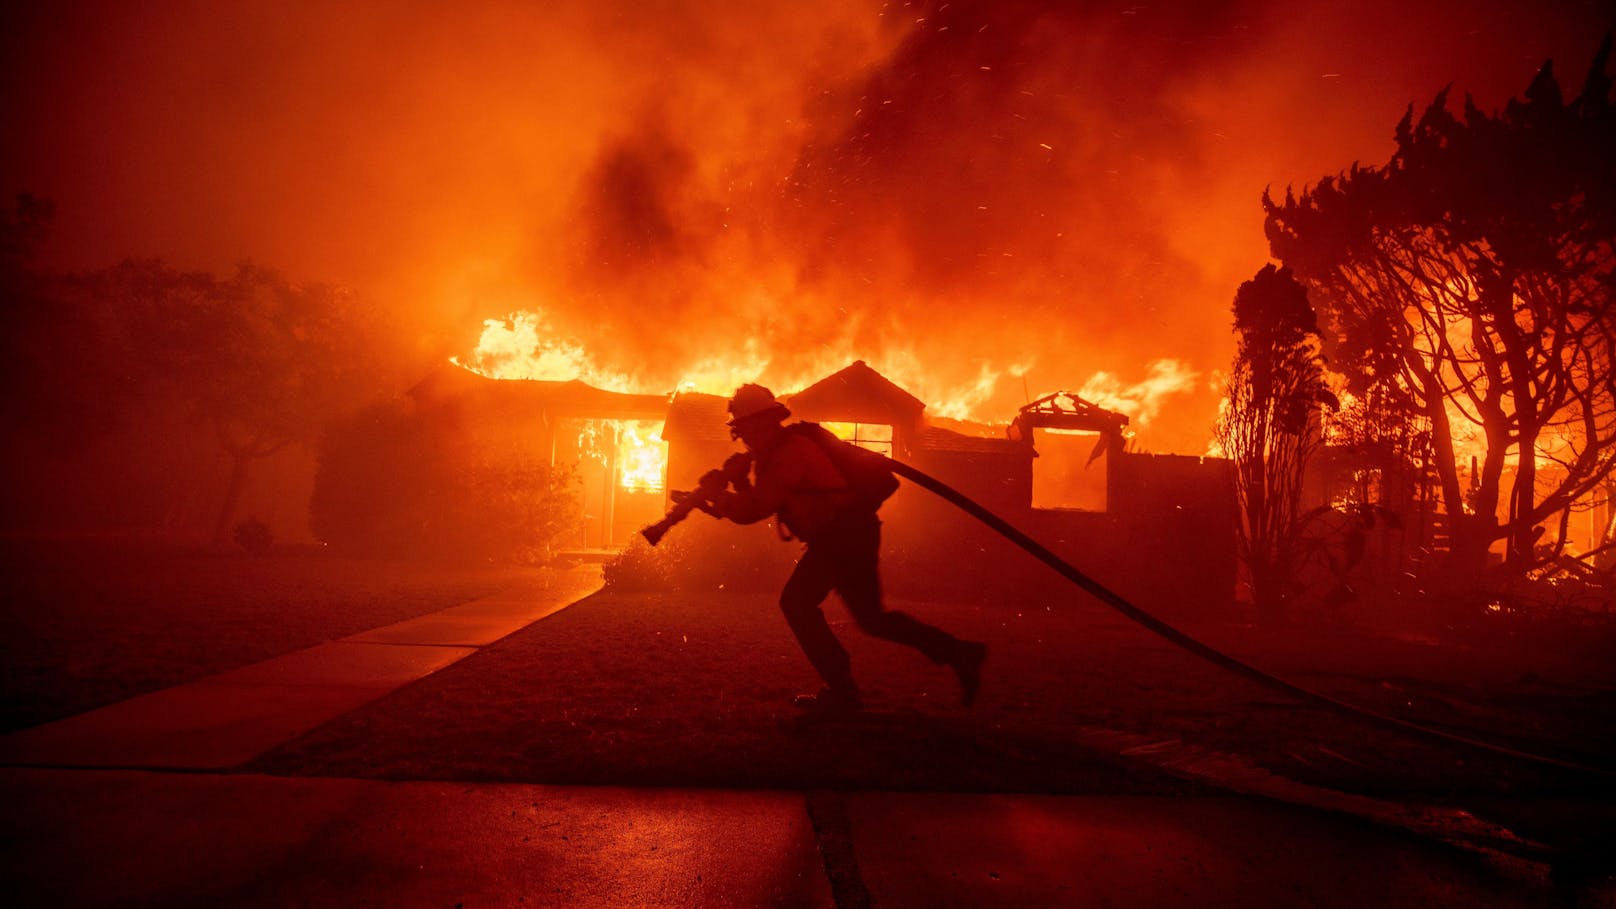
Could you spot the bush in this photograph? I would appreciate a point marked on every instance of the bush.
(254, 536)
(641, 566)
(502, 510)
(392, 483)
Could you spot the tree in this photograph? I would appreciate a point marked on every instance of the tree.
(1269, 427)
(139, 360)
(70, 375)
(263, 362)
(23, 228)
(117, 381)
(1472, 278)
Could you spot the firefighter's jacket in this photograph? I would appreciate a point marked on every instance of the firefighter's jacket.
(795, 480)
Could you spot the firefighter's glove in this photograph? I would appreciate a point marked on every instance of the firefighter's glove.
(697, 499)
(737, 467)
(713, 483)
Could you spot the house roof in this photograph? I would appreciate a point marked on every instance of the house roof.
(856, 393)
(936, 438)
(575, 399)
(1065, 410)
(572, 398)
(696, 417)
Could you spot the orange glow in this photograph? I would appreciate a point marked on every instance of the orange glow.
(523, 345)
(876, 437)
(1143, 400)
(642, 456)
(1454, 299)
(982, 201)
(633, 448)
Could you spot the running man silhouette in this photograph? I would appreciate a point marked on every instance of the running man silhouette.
(792, 476)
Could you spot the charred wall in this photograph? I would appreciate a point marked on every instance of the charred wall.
(1166, 541)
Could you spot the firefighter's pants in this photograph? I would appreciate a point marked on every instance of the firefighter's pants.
(845, 558)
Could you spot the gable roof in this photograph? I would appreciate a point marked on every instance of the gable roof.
(937, 438)
(1065, 410)
(856, 393)
(697, 417)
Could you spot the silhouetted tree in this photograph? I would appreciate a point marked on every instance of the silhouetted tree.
(137, 350)
(1473, 275)
(24, 227)
(68, 372)
(262, 361)
(1269, 427)
(1386, 443)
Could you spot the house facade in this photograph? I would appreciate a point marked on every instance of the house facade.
(600, 435)
(1159, 529)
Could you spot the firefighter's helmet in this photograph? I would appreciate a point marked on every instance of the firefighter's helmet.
(752, 401)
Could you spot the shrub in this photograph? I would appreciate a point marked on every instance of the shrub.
(393, 483)
(641, 566)
(254, 536)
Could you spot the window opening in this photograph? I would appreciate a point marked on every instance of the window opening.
(877, 437)
(1070, 471)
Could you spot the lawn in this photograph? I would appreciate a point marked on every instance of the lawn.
(664, 688)
(87, 624)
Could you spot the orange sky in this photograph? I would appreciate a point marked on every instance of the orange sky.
(959, 193)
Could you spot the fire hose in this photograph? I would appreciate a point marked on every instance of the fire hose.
(686, 502)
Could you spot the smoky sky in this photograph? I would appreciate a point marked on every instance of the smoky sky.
(958, 192)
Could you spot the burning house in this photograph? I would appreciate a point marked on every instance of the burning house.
(611, 439)
(1061, 471)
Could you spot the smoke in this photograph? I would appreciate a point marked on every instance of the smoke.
(974, 197)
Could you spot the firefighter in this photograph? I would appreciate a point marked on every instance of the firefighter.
(793, 477)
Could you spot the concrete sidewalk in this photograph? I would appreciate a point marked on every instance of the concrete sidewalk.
(228, 719)
(138, 838)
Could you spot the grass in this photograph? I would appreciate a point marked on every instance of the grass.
(87, 624)
(681, 689)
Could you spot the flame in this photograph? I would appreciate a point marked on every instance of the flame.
(1457, 299)
(813, 180)
(1141, 401)
(642, 456)
(876, 437)
(957, 401)
(523, 345)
